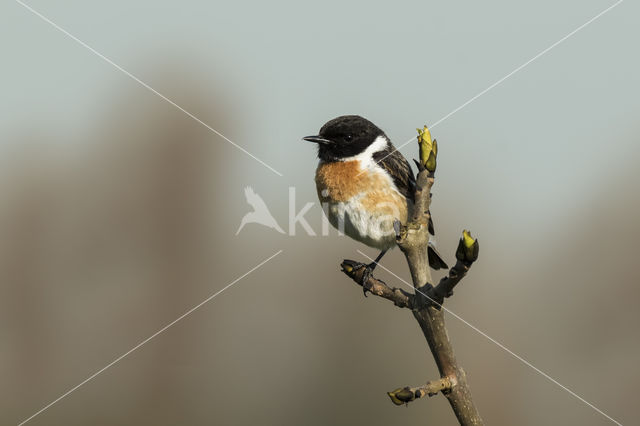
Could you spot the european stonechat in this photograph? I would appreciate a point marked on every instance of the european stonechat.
(366, 184)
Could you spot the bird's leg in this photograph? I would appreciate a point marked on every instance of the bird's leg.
(368, 271)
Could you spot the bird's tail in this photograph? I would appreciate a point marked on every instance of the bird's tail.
(435, 260)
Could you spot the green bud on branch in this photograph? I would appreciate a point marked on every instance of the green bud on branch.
(402, 395)
(428, 149)
(468, 248)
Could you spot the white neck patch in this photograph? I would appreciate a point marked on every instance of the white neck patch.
(366, 157)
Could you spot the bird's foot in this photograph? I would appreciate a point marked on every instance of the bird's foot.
(353, 268)
(352, 265)
(366, 274)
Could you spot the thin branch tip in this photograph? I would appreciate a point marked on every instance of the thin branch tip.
(405, 395)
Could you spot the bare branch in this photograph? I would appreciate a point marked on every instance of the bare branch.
(445, 287)
(407, 394)
(399, 297)
(413, 239)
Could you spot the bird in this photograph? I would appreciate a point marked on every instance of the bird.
(260, 213)
(366, 185)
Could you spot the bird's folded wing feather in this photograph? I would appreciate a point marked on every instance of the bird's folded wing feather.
(399, 168)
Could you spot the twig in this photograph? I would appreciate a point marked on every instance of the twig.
(444, 289)
(407, 394)
(399, 297)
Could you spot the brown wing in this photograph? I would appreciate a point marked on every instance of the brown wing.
(398, 167)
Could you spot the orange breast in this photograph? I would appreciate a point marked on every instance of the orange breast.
(340, 181)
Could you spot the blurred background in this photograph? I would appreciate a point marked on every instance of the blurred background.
(118, 212)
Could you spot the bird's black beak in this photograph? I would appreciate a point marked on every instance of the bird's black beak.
(317, 139)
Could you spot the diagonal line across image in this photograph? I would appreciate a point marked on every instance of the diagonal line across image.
(500, 345)
(454, 111)
(142, 83)
(501, 80)
(136, 347)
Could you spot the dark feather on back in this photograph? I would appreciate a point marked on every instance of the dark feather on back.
(398, 167)
(400, 170)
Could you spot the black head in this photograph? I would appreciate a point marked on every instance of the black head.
(345, 136)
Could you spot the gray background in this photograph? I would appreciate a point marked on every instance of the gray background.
(118, 212)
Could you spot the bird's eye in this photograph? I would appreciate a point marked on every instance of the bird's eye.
(348, 137)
